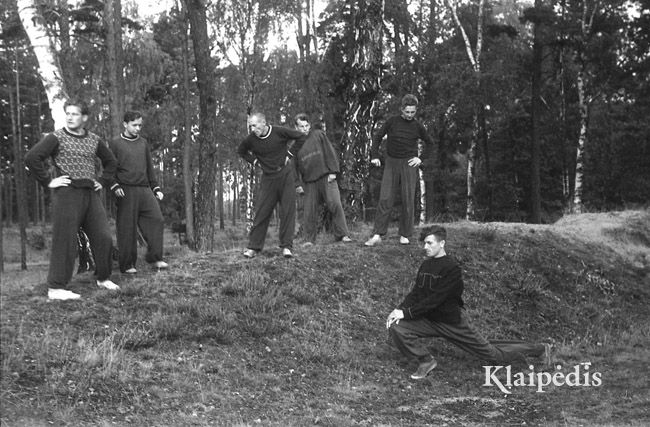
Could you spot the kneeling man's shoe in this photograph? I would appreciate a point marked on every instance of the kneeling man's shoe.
(424, 369)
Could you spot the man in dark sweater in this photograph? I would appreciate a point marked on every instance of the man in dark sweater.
(318, 165)
(401, 169)
(137, 193)
(268, 147)
(433, 309)
(75, 197)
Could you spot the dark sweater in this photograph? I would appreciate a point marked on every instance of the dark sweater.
(437, 293)
(272, 149)
(317, 157)
(402, 141)
(72, 155)
(134, 164)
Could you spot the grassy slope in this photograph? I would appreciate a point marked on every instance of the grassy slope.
(221, 340)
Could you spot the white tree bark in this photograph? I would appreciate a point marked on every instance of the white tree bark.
(48, 64)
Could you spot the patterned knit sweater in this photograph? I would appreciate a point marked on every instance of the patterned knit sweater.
(72, 155)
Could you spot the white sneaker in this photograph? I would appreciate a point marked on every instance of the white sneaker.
(286, 252)
(403, 240)
(61, 294)
(250, 253)
(131, 270)
(346, 239)
(373, 240)
(160, 265)
(107, 284)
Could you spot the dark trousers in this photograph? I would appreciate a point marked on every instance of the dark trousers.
(138, 209)
(73, 208)
(398, 176)
(405, 335)
(275, 189)
(322, 191)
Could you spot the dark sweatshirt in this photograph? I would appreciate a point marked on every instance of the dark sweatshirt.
(437, 293)
(402, 140)
(72, 155)
(317, 157)
(271, 150)
(134, 164)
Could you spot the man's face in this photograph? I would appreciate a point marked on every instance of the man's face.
(433, 247)
(133, 128)
(74, 120)
(257, 126)
(303, 126)
(408, 112)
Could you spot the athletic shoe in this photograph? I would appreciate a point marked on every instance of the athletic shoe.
(403, 240)
(250, 253)
(424, 369)
(131, 270)
(107, 284)
(286, 252)
(373, 240)
(346, 239)
(61, 294)
(160, 265)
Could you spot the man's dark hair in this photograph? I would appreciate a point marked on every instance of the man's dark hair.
(439, 232)
(409, 100)
(82, 105)
(302, 117)
(129, 116)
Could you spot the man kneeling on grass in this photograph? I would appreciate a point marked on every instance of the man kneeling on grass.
(433, 309)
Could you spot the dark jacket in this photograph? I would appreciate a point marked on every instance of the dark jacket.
(437, 293)
(316, 158)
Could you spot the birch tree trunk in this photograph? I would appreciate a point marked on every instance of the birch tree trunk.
(19, 170)
(536, 84)
(48, 63)
(475, 61)
(114, 59)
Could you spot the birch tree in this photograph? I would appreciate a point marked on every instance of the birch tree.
(49, 68)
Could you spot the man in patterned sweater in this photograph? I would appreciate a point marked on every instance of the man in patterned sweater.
(137, 193)
(268, 147)
(76, 200)
(433, 309)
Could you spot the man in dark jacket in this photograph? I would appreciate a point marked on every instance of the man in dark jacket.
(433, 309)
(268, 147)
(318, 165)
(76, 200)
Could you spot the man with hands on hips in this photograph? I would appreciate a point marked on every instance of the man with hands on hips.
(403, 134)
(75, 198)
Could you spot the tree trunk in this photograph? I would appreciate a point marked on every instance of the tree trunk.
(366, 26)
(49, 68)
(535, 108)
(582, 139)
(188, 170)
(19, 170)
(114, 59)
(2, 223)
(205, 194)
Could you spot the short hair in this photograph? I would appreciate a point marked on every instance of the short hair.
(409, 100)
(130, 115)
(302, 117)
(439, 232)
(75, 102)
(258, 116)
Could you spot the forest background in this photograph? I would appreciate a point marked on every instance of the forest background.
(536, 108)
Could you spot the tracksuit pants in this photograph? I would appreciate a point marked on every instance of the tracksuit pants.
(274, 189)
(138, 208)
(398, 176)
(405, 335)
(322, 191)
(73, 208)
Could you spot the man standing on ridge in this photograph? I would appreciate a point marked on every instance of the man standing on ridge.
(401, 168)
(318, 165)
(433, 309)
(137, 194)
(267, 146)
(76, 200)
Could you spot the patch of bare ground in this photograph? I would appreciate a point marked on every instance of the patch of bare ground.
(221, 340)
